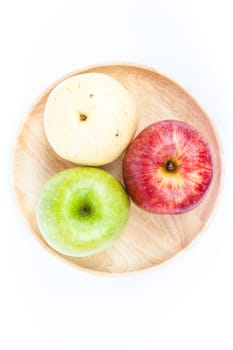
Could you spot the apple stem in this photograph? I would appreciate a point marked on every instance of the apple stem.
(170, 166)
(85, 210)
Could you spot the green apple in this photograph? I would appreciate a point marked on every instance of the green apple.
(81, 211)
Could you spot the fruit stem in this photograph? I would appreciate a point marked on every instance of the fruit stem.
(82, 117)
(85, 210)
(170, 166)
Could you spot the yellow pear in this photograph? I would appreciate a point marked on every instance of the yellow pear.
(90, 119)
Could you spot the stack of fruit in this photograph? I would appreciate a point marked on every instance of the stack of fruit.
(91, 119)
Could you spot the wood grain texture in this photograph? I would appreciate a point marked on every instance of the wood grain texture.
(148, 240)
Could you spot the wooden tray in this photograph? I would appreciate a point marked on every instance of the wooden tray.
(148, 239)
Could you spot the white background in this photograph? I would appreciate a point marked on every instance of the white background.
(46, 304)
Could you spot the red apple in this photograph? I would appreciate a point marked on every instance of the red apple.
(168, 168)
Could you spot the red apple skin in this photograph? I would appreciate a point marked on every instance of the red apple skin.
(151, 185)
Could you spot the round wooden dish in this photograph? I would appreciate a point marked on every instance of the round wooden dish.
(148, 240)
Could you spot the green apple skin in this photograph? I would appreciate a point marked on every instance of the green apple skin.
(82, 211)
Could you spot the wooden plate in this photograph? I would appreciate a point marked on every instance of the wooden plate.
(148, 239)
